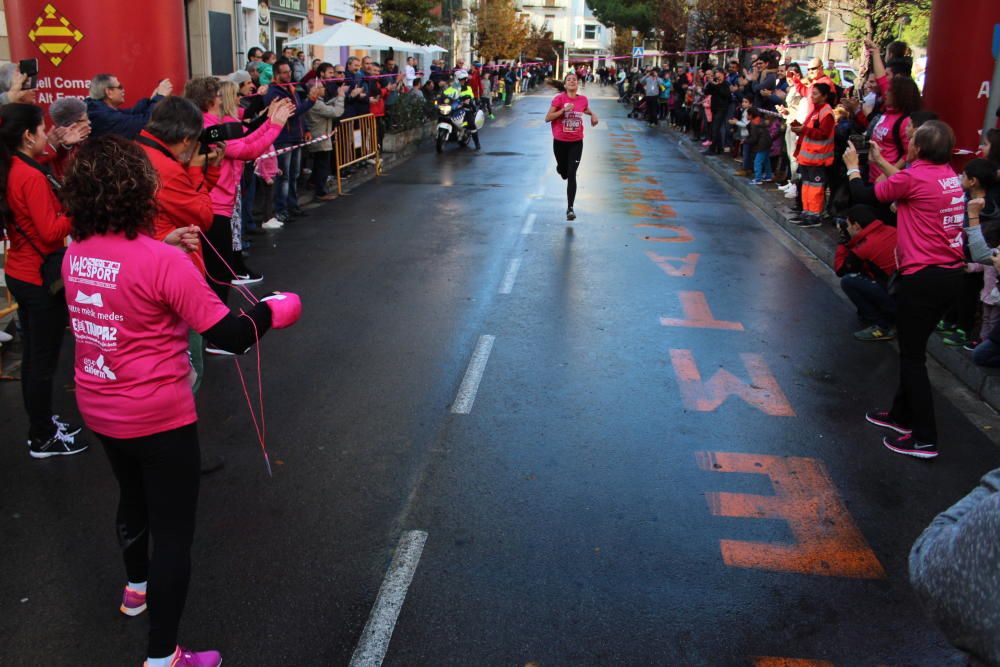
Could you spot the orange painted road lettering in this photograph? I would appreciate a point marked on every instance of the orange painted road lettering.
(697, 315)
(827, 542)
(762, 392)
(768, 661)
(657, 212)
(679, 234)
(687, 266)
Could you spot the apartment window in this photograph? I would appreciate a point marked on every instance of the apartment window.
(591, 31)
(550, 3)
(550, 20)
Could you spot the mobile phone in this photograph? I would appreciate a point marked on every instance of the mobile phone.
(29, 68)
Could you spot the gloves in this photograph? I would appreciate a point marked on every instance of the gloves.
(286, 309)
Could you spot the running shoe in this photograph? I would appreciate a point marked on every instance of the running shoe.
(218, 352)
(875, 332)
(182, 657)
(956, 338)
(297, 212)
(908, 445)
(68, 428)
(946, 327)
(707, 142)
(883, 419)
(754, 181)
(59, 444)
(273, 223)
(133, 602)
(281, 216)
(248, 278)
(807, 221)
(570, 215)
(792, 192)
(971, 345)
(5, 337)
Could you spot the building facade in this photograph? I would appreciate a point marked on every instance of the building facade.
(586, 40)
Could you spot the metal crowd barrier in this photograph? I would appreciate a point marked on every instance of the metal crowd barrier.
(355, 140)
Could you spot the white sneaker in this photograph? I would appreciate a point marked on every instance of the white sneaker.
(785, 186)
(791, 192)
(5, 337)
(273, 223)
(219, 353)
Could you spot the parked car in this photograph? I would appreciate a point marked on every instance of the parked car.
(848, 75)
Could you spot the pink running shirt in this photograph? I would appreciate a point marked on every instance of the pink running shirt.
(131, 305)
(569, 126)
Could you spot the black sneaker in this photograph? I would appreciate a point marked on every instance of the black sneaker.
(297, 212)
(570, 215)
(211, 463)
(60, 444)
(282, 216)
(883, 419)
(807, 222)
(69, 428)
(910, 446)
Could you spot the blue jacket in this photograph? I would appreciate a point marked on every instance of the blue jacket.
(126, 123)
(294, 129)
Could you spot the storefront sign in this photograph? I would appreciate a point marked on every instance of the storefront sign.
(343, 9)
(296, 7)
(72, 41)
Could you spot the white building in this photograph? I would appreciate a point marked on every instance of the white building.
(573, 23)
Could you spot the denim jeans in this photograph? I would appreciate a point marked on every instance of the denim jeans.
(987, 353)
(871, 299)
(286, 191)
(762, 165)
(43, 322)
(747, 156)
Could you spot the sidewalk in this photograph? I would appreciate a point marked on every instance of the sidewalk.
(822, 242)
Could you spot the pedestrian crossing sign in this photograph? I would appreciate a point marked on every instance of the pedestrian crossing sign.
(637, 51)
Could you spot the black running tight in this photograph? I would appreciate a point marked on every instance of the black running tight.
(568, 154)
(158, 476)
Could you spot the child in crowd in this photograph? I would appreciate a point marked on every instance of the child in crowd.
(267, 170)
(760, 145)
(741, 127)
(980, 181)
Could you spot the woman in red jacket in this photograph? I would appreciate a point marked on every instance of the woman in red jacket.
(36, 228)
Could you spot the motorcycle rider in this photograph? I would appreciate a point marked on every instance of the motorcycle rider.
(461, 90)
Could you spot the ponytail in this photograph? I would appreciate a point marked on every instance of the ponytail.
(558, 85)
(15, 120)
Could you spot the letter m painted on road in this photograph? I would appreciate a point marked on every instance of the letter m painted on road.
(762, 391)
(827, 542)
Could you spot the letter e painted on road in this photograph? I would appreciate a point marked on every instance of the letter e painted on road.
(762, 392)
(827, 542)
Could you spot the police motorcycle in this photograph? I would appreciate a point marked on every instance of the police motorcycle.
(458, 117)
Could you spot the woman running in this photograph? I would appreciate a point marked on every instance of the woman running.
(133, 377)
(566, 117)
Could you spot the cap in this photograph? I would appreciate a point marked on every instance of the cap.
(240, 77)
(461, 74)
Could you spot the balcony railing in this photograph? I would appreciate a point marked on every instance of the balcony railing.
(551, 4)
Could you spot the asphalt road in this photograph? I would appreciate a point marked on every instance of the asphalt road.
(570, 504)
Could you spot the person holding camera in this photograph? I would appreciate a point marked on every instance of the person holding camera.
(865, 260)
(225, 256)
(134, 389)
(106, 107)
(930, 212)
(37, 229)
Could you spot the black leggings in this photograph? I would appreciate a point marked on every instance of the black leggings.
(568, 154)
(43, 323)
(158, 476)
(221, 238)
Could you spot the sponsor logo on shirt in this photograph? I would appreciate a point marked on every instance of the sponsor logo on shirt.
(98, 368)
(101, 335)
(94, 271)
(951, 183)
(94, 300)
(957, 200)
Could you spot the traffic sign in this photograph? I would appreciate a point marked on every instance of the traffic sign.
(637, 51)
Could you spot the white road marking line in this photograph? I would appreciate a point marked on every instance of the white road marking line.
(508, 280)
(473, 376)
(529, 224)
(375, 637)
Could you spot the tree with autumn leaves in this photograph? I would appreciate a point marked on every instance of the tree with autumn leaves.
(501, 32)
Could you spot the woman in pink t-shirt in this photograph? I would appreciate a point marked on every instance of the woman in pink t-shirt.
(132, 300)
(566, 116)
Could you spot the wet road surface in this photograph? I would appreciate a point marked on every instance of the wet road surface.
(634, 439)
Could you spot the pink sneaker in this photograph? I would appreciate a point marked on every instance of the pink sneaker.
(133, 602)
(707, 142)
(185, 658)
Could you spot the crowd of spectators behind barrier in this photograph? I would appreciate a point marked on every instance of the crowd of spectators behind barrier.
(917, 248)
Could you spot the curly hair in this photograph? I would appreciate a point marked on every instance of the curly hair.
(202, 91)
(110, 188)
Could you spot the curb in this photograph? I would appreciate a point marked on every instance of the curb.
(983, 382)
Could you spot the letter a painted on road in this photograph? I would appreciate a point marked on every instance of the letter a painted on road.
(827, 543)
(686, 268)
(762, 392)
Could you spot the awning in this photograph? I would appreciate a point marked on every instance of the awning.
(349, 33)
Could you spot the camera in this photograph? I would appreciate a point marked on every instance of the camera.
(29, 68)
(845, 235)
(219, 133)
(860, 142)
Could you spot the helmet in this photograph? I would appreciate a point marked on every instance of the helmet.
(461, 75)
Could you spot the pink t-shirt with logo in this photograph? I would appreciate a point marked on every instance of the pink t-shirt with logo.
(569, 126)
(131, 305)
(930, 208)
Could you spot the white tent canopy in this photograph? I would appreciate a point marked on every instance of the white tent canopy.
(349, 33)
(434, 48)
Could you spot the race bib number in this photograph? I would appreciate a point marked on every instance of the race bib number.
(572, 122)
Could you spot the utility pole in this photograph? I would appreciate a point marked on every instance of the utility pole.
(826, 36)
